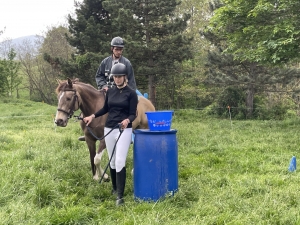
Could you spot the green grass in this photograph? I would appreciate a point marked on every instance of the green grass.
(229, 173)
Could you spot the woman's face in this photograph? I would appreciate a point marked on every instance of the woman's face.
(119, 80)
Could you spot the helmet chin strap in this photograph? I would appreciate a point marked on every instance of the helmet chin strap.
(121, 85)
(116, 56)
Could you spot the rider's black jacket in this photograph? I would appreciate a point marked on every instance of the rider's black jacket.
(120, 104)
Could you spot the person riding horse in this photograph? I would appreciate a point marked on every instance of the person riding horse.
(103, 72)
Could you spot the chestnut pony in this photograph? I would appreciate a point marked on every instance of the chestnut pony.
(74, 95)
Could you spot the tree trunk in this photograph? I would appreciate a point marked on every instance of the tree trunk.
(18, 95)
(151, 82)
(151, 87)
(249, 101)
(250, 92)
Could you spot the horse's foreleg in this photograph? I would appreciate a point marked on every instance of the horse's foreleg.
(99, 170)
(97, 162)
(92, 149)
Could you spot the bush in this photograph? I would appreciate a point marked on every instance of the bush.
(230, 102)
(276, 109)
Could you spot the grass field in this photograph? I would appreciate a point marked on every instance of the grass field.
(229, 173)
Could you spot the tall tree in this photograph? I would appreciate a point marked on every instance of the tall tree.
(90, 33)
(226, 68)
(193, 91)
(5, 48)
(55, 43)
(40, 83)
(3, 55)
(154, 36)
(9, 73)
(3, 87)
(152, 33)
(41, 75)
(259, 31)
(56, 50)
(13, 78)
(250, 77)
(90, 28)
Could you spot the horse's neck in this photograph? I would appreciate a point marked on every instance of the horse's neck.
(91, 101)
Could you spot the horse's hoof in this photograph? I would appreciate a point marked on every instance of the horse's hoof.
(106, 178)
(81, 138)
(95, 177)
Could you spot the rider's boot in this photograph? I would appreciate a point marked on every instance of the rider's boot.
(121, 180)
(113, 176)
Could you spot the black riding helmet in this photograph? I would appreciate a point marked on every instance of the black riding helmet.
(118, 69)
(117, 42)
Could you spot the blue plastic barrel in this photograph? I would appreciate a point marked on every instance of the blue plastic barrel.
(155, 164)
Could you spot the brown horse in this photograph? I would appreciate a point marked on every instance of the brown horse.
(74, 95)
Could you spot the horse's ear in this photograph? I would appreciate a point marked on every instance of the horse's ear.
(58, 81)
(70, 82)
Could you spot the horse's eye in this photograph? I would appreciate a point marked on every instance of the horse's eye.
(68, 99)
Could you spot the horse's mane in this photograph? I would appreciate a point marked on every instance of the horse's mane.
(63, 85)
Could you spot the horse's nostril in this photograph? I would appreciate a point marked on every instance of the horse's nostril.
(59, 121)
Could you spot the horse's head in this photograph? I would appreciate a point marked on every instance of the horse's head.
(68, 102)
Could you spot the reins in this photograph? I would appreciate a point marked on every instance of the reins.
(91, 132)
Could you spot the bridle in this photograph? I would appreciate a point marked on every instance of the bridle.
(72, 109)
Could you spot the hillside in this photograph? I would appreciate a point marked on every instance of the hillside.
(19, 41)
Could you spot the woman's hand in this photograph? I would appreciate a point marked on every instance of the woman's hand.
(125, 123)
(88, 119)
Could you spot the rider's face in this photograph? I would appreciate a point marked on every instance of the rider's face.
(117, 51)
(119, 80)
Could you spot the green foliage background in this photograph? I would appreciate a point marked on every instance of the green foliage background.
(182, 67)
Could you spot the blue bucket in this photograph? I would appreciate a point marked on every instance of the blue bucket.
(159, 120)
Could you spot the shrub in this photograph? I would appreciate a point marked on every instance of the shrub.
(231, 100)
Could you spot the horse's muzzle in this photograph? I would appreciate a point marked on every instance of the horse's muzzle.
(61, 122)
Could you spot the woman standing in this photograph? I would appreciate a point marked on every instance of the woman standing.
(121, 105)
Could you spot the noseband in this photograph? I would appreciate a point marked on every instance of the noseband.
(71, 110)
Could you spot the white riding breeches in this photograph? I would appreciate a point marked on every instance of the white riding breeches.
(118, 160)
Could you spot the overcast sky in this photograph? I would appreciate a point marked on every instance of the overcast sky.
(32, 17)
